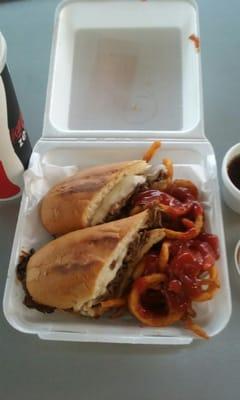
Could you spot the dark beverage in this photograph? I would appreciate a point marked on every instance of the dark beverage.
(234, 171)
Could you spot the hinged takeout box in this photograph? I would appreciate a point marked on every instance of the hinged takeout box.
(124, 73)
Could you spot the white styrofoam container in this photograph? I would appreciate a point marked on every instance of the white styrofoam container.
(121, 74)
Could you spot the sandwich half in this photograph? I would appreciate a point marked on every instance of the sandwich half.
(80, 269)
(92, 196)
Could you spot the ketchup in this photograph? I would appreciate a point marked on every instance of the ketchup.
(212, 240)
(189, 259)
(151, 262)
(154, 301)
(182, 193)
(174, 206)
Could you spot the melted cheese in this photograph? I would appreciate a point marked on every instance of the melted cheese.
(119, 192)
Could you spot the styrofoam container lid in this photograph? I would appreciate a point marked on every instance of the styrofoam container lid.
(125, 66)
(3, 52)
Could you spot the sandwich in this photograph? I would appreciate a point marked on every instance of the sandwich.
(79, 270)
(95, 196)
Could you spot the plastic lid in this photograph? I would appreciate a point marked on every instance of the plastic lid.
(132, 70)
(3, 52)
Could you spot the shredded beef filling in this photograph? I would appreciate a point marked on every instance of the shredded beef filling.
(155, 217)
(119, 210)
(119, 285)
(21, 275)
(123, 208)
(122, 280)
(153, 182)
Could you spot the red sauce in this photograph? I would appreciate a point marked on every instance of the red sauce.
(151, 262)
(188, 261)
(154, 301)
(175, 206)
(175, 286)
(197, 209)
(178, 301)
(140, 284)
(182, 193)
(213, 242)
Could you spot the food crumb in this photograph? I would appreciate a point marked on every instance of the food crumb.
(135, 107)
(196, 41)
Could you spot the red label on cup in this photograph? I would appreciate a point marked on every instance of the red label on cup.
(18, 134)
(7, 188)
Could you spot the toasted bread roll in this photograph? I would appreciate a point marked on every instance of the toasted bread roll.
(86, 198)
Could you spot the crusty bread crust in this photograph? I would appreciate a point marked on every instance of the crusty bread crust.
(77, 267)
(71, 204)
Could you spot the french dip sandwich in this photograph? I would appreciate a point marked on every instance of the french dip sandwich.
(80, 269)
(94, 196)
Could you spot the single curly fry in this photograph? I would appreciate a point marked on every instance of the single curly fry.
(185, 183)
(152, 150)
(167, 162)
(208, 295)
(188, 223)
(214, 275)
(161, 185)
(212, 285)
(113, 303)
(190, 234)
(189, 324)
(164, 256)
(165, 316)
(199, 223)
